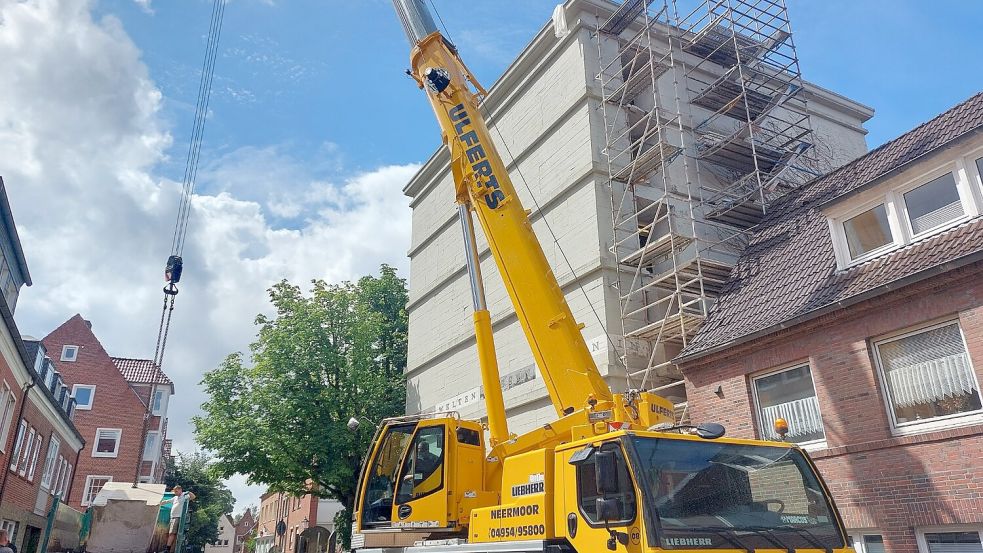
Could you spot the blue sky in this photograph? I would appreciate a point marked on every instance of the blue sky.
(313, 130)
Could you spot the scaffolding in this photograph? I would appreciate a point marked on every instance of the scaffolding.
(704, 127)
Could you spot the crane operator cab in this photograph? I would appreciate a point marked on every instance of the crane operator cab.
(424, 473)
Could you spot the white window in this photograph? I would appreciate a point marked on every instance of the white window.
(160, 404)
(868, 232)
(7, 403)
(93, 485)
(66, 480)
(955, 539)
(933, 204)
(38, 442)
(866, 541)
(69, 353)
(84, 395)
(928, 377)
(51, 463)
(18, 444)
(150, 446)
(26, 450)
(789, 394)
(106, 443)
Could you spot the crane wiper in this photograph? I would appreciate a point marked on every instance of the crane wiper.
(809, 536)
(768, 534)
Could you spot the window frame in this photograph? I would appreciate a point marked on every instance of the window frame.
(52, 463)
(854, 534)
(92, 396)
(95, 443)
(811, 445)
(936, 423)
(149, 454)
(25, 452)
(963, 170)
(7, 409)
(86, 500)
(73, 358)
(922, 541)
(18, 444)
(158, 409)
(33, 465)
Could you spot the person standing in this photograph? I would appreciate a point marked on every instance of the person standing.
(178, 504)
(5, 545)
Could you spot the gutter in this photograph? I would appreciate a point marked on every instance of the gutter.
(847, 302)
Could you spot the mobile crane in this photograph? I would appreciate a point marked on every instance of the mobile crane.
(613, 471)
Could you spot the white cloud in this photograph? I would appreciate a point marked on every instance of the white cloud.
(80, 136)
(145, 5)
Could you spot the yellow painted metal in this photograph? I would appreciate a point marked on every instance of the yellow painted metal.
(526, 508)
(569, 372)
(497, 425)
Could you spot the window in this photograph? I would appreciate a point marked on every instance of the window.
(69, 353)
(84, 395)
(11, 527)
(26, 450)
(38, 440)
(51, 463)
(93, 485)
(933, 204)
(587, 492)
(18, 443)
(57, 474)
(965, 541)
(866, 541)
(423, 469)
(150, 446)
(159, 405)
(789, 394)
(106, 443)
(66, 479)
(7, 403)
(928, 375)
(868, 231)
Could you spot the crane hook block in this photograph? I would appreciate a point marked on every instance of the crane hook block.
(172, 272)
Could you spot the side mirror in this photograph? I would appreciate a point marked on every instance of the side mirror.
(606, 473)
(607, 509)
(710, 430)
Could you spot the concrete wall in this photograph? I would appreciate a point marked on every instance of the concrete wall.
(546, 109)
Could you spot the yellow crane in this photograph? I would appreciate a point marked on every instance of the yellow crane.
(612, 471)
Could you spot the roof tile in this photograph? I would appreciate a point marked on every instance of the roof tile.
(141, 371)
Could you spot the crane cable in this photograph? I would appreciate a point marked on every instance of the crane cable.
(175, 264)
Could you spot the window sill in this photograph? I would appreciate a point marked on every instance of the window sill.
(105, 455)
(900, 441)
(956, 421)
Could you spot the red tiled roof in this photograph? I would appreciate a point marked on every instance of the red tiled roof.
(141, 371)
(788, 270)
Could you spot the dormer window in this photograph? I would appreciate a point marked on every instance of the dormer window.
(900, 212)
(868, 231)
(69, 353)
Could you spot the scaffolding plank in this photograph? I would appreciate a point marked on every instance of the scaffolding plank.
(623, 16)
(656, 248)
(647, 163)
(637, 82)
(712, 273)
(673, 328)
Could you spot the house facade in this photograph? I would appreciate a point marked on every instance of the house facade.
(308, 523)
(226, 541)
(243, 529)
(112, 397)
(39, 444)
(856, 314)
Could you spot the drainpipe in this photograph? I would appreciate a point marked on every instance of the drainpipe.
(20, 419)
(75, 470)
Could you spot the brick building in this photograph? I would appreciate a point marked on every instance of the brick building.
(112, 395)
(856, 313)
(243, 529)
(39, 444)
(308, 521)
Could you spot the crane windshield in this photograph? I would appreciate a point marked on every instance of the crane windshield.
(716, 495)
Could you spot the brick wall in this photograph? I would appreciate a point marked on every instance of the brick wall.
(115, 404)
(892, 483)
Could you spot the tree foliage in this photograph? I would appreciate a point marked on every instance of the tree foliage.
(213, 499)
(281, 418)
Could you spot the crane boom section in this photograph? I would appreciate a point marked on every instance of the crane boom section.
(482, 180)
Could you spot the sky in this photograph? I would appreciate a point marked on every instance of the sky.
(312, 131)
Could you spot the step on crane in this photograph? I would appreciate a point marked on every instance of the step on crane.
(613, 471)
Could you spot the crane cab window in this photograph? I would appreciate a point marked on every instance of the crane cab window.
(423, 472)
(588, 494)
(381, 480)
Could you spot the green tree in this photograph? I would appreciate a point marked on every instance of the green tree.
(212, 498)
(281, 418)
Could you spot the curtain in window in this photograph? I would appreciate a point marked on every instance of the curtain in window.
(802, 416)
(927, 367)
(953, 542)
